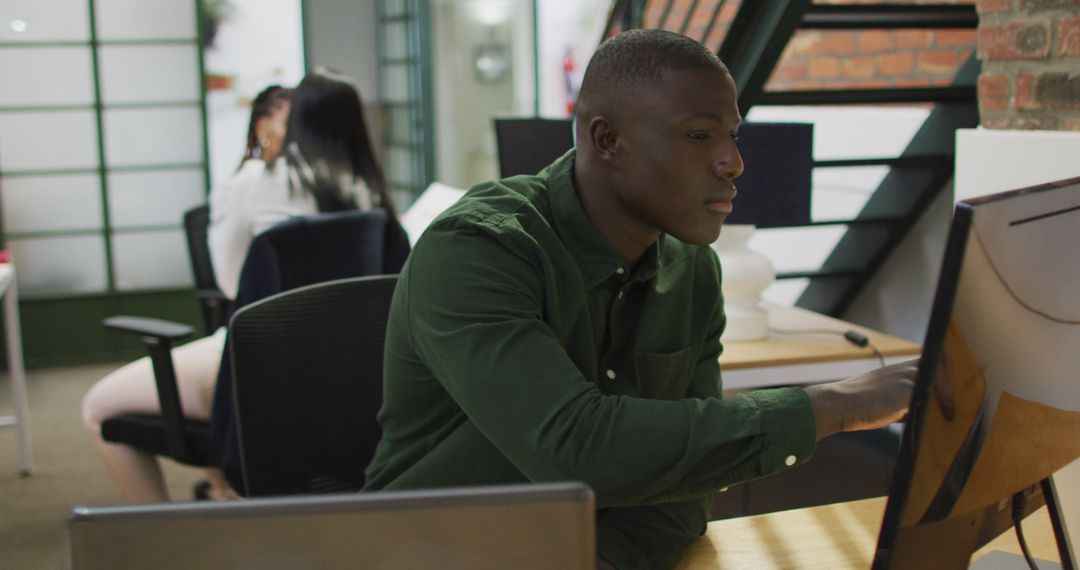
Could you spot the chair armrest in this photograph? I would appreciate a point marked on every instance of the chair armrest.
(158, 336)
(144, 326)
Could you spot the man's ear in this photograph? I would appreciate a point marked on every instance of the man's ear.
(603, 138)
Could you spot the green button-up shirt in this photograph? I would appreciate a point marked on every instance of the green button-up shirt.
(521, 348)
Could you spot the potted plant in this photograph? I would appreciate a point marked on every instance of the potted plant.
(213, 13)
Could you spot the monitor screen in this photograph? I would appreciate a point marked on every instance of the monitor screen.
(996, 407)
(774, 189)
(527, 145)
(520, 526)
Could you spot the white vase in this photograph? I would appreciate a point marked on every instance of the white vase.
(747, 274)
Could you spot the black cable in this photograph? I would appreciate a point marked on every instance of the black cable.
(1017, 515)
(880, 357)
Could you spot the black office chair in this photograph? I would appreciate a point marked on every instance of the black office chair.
(307, 381)
(213, 304)
(300, 258)
(300, 252)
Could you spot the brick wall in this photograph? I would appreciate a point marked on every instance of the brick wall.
(819, 59)
(1030, 51)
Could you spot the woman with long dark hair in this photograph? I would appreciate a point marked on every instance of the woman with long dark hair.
(326, 163)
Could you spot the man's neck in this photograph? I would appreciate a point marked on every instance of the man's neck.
(627, 238)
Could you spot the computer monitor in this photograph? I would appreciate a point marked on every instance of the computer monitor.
(527, 145)
(996, 406)
(774, 189)
(521, 526)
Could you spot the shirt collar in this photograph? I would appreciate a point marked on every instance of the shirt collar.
(594, 257)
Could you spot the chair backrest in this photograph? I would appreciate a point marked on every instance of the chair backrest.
(213, 305)
(307, 380)
(196, 222)
(312, 249)
(295, 253)
(527, 145)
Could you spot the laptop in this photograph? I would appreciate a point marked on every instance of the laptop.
(517, 526)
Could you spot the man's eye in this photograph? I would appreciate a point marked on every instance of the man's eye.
(699, 135)
(735, 137)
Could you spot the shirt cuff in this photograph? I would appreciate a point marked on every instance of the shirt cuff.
(788, 417)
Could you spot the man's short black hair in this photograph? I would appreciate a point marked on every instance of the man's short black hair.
(637, 58)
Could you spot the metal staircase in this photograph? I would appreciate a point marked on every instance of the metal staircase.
(758, 33)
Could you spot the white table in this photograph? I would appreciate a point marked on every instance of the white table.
(805, 357)
(16, 372)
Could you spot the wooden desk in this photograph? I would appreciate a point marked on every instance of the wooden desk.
(785, 359)
(841, 536)
(16, 372)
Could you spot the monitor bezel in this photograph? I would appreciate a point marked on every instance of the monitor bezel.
(933, 348)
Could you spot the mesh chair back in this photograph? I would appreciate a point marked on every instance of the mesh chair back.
(307, 375)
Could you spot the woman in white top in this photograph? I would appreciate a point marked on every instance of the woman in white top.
(328, 165)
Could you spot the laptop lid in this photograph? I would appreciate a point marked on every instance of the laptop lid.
(519, 526)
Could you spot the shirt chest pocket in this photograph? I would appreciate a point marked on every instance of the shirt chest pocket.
(665, 376)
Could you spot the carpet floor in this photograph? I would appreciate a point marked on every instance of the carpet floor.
(67, 472)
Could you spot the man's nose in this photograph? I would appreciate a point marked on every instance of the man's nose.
(730, 164)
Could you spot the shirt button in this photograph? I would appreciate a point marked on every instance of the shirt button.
(619, 296)
(620, 271)
(611, 374)
(790, 460)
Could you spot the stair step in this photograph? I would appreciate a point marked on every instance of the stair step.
(889, 16)
(820, 273)
(960, 94)
(867, 221)
(862, 222)
(895, 161)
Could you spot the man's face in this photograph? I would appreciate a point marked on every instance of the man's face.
(677, 155)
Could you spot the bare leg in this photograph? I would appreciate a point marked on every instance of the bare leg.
(131, 389)
(220, 489)
(137, 473)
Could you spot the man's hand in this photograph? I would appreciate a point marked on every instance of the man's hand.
(875, 399)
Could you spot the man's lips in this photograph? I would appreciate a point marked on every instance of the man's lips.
(722, 203)
(719, 205)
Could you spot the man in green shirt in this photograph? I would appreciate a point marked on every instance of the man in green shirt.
(566, 326)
